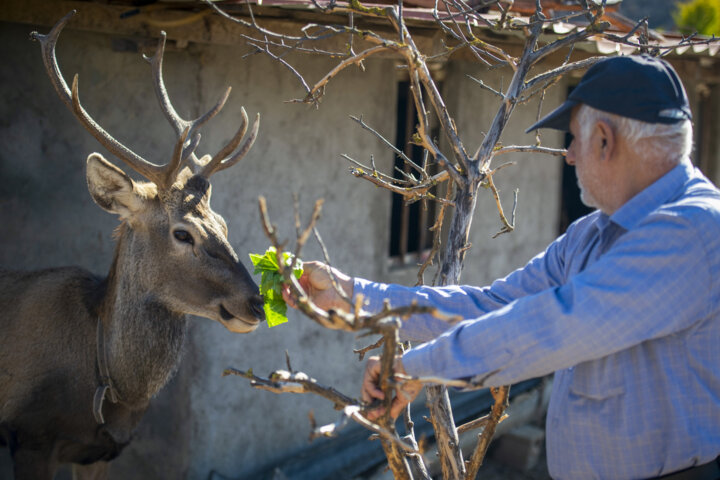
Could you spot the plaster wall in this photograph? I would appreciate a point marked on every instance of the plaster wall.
(202, 422)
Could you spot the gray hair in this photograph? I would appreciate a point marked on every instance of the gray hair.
(653, 141)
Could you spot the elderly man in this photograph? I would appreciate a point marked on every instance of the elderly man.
(624, 307)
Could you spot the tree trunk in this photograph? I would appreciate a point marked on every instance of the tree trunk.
(446, 436)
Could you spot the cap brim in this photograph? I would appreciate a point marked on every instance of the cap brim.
(558, 119)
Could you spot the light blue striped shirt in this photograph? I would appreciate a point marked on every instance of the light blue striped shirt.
(624, 309)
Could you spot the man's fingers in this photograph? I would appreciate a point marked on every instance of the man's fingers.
(404, 395)
(375, 413)
(398, 405)
(370, 390)
(287, 297)
(304, 282)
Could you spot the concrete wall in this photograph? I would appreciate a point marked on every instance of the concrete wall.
(201, 422)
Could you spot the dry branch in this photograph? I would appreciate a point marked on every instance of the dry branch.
(282, 381)
(501, 396)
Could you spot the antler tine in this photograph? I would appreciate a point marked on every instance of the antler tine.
(177, 122)
(190, 148)
(47, 47)
(149, 170)
(235, 141)
(72, 101)
(178, 155)
(218, 163)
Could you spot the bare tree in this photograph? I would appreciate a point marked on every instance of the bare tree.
(461, 177)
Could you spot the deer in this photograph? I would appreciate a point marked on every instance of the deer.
(82, 355)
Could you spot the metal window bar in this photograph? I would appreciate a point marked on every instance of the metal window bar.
(409, 223)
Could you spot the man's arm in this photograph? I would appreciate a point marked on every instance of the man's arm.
(544, 271)
(655, 281)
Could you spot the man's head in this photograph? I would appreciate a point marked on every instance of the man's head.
(631, 122)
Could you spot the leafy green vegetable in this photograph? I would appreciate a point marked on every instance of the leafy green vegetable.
(271, 282)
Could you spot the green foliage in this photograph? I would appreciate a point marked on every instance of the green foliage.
(701, 16)
(271, 283)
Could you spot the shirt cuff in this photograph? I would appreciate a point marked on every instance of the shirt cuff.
(373, 294)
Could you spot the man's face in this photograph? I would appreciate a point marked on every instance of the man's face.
(585, 157)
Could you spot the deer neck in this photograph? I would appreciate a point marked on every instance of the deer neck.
(143, 338)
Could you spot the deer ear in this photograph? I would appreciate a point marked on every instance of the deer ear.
(111, 188)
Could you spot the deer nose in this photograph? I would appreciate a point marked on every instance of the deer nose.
(257, 307)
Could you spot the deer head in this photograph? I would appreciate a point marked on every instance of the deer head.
(171, 243)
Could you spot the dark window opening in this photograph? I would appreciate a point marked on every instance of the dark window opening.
(409, 224)
(706, 139)
(571, 207)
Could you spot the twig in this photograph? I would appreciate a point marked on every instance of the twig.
(303, 235)
(282, 381)
(285, 64)
(507, 226)
(362, 351)
(387, 142)
(410, 189)
(395, 457)
(486, 87)
(501, 395)
(435, 381)
(558, 152)
(478, 423)
(333, 279)
(317, 90)
(560, 71)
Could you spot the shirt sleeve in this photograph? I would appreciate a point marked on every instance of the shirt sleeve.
(654, 281)
(541, 273)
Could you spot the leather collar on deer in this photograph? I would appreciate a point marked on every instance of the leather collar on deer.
(105, 380)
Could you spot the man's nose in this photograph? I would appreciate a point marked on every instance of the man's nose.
(570, 158)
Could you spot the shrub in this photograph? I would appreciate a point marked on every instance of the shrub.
(701, 16)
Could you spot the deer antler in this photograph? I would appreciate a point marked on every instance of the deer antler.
(162, 175)
(223, 159)
(151, 171)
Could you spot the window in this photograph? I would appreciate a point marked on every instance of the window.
(706, 138)
(410, 237)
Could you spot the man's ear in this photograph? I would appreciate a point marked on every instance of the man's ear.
(111, 188)
(606, 139)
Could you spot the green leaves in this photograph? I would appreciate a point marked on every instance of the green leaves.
(271, 282)
(701, 16)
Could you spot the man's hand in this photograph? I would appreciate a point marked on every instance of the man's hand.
(317, 281)
(406, 391)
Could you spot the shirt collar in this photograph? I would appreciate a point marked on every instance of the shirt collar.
(658, 193)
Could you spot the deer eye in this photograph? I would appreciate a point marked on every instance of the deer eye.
(183, 236)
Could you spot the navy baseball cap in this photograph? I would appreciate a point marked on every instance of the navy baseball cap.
(635, 86)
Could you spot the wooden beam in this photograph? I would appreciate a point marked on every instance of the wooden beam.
(198, 25)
